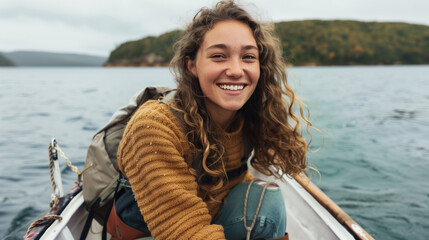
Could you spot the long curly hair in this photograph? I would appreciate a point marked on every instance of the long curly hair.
(270, 123)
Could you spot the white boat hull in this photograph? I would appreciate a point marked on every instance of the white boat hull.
(306, 217)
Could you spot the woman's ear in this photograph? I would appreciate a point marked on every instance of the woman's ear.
(191, 66)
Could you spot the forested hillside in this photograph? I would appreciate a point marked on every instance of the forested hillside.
(352, 42)
(148, 51)
(310, 42)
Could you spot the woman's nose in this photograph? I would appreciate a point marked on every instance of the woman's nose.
(235, 68)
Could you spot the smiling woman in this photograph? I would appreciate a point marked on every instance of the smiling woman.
(186, 159)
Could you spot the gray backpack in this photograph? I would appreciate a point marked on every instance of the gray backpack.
(100, 176)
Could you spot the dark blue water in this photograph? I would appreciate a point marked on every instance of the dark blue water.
(374, 161)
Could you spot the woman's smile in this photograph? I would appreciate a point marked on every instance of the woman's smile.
(231, 87)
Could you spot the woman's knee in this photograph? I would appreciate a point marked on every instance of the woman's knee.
(270, 219)
(271, 205)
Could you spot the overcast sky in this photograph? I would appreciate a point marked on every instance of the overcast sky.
(99, 26)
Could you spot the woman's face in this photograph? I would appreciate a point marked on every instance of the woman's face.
(227, 67)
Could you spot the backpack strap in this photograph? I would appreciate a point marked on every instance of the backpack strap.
(109, 209)
(111, 188)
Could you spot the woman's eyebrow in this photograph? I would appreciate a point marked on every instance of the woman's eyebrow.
(223, 46)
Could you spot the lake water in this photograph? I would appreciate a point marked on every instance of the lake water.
(374, 162)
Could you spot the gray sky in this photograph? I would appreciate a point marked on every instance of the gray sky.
(99, 26)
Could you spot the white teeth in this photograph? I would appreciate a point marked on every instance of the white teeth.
(231, 87)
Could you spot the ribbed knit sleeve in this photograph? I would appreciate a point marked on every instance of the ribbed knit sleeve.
(152, 156)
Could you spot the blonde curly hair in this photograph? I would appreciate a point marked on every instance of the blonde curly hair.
(270, 124)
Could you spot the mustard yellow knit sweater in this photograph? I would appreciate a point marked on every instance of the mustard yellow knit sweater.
(154, 155)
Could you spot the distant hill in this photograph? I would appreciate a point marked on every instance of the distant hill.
(5, 62)
(149, 51)
(50, 59)
(310, 42)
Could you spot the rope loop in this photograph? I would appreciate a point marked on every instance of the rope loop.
(52, 157)
(53, 149)
(42, 221)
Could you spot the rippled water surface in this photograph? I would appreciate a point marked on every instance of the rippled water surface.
(374, 161)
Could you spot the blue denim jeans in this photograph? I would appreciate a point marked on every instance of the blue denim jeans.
(271, 219)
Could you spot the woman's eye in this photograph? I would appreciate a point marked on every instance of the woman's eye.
(217, 56)
(249, 57)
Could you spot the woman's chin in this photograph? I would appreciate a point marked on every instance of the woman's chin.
(233, 107)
